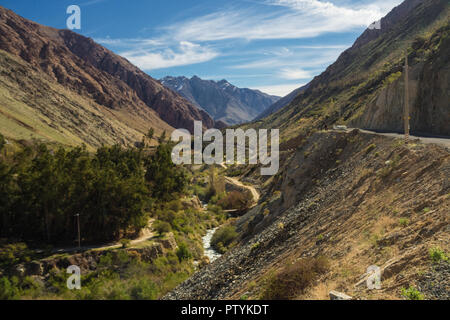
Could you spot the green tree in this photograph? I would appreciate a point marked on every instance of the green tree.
(150, 134)
(163, 175)
(43, 190)
(162, 227)
(162, 138)
(183, 252)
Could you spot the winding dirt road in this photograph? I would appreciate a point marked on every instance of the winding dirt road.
(239, 184)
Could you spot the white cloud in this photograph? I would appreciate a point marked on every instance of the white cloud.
(287, 19)
(186, 53)
(298, 58)
(280, 90)
(190, 41)
(131, 42)
(92, 2)
(294, 74)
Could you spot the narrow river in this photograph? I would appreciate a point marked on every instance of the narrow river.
(212, 254)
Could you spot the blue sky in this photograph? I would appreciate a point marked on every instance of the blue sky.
(271, 45)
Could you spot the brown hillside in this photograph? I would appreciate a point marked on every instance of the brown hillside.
(60, 86)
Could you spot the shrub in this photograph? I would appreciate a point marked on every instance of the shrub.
(125, 243)
(14, 253)
(175, 205)
(183, 252)
(294, 279)
(223, 238)
(162, 227)
(2, 142)
(216, 198)
(144, 289)
(392, 77)
(235, 200)
(9, 288)
(438, 255)
(210, 193)
(256, 245)
(370, 148)
(403, 222)
(412, 294)
(167, 215)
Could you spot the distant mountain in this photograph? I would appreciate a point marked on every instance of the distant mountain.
(365, 87)
(282, 102)
(57, 85)
(222, 100)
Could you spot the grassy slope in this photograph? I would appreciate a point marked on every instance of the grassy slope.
(34, 106)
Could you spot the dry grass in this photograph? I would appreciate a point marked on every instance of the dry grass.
(294, 279)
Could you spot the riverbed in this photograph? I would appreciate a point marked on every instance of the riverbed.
(212, 254)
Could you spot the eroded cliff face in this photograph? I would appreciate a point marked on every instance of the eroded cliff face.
(364, 87)
(432, 107)
(429, 99)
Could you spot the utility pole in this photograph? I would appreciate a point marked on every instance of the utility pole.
(79, 236)
(406, 108)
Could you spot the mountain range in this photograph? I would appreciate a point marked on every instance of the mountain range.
(281, 103)
(222, 100)
(57, 85)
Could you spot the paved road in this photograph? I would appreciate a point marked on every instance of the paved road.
(445, 142)
(442, 141)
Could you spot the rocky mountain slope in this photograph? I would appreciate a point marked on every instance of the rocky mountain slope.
(283, 102)
(365, 87)
(354, 199)
(61, 86)
(221, 100)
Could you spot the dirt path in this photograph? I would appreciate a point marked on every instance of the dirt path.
(239, 184)
(146, 234)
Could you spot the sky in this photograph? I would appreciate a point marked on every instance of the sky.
(275, 46)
